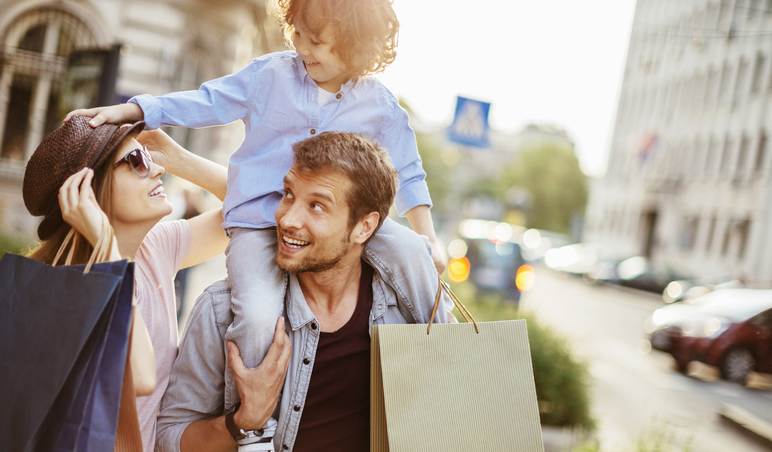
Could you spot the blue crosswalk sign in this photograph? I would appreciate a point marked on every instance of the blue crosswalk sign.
(470, 124)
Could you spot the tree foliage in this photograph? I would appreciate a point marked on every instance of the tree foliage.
(551, 174)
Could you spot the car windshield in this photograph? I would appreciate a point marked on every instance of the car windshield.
(498, 253)
(735, 305)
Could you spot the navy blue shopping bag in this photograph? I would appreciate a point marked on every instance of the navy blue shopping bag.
(63, 348)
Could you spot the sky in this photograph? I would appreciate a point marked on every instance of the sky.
(556, 61)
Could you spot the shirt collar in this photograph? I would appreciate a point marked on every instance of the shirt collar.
(302, 74)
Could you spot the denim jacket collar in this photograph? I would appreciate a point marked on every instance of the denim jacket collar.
(300, 315)
(298, 312)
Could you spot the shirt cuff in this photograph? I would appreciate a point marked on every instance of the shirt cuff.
(151, 109)
(413, 194)
(169, 439)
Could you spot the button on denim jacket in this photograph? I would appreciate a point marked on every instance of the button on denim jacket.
(197, 386)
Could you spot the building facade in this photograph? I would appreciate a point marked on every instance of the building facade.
(162, 46)
(688, 181)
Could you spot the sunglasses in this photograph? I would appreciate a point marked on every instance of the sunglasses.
(138, 160)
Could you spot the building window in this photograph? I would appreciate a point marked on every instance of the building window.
(761, 154)
(689, 233)
(743, 231)
(758, 74)
(726, 240)
(742, 152)
(33, 60)
(710, 238)
(741, 81)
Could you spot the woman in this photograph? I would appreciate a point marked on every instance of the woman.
(82, 178)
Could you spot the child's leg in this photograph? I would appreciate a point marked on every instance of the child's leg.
(258, 287)
(403, 259)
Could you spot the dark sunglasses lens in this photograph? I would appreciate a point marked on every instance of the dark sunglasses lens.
(137, 162)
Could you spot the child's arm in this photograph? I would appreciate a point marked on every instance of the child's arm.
(216, 102)
(413, 200)
(420, 219)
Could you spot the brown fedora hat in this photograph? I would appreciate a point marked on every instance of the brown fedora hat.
(71, 147)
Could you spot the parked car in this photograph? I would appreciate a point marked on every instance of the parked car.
(575, 259)
(684, 289)
(730, 329)
(490, 262)
(604, 270)
(638, 272)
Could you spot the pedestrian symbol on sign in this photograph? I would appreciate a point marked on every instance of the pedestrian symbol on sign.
(470, 124)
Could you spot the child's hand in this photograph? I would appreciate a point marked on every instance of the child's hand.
(114, 114)
(438, 254)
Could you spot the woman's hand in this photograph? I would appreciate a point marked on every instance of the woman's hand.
(79, 205)
(164, 150)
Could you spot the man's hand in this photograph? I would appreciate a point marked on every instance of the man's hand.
(114, 114)
(260, 388)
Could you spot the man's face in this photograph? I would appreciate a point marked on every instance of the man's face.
(312, 221)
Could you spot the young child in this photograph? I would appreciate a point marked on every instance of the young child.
(283, 98)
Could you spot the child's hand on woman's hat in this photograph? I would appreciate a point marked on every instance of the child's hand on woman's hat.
(114, 114)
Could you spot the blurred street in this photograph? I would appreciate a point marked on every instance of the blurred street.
(635, 392)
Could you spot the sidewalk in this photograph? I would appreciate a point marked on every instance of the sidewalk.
(757, 424)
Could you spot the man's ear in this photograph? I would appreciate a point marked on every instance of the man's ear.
(365, 228)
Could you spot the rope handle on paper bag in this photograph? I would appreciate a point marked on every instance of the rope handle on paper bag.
(101, 248)
(461, 308)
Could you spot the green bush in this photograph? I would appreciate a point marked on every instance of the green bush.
(562, 382)
(10, 244)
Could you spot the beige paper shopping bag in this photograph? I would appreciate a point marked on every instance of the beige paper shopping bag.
(455, 387)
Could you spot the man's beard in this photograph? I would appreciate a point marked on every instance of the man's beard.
(313, 264)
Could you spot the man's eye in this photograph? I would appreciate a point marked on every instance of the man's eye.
(317, 207)
(316, 43)
(288, 195)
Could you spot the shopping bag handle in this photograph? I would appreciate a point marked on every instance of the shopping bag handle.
(101, 249)
(461, 308)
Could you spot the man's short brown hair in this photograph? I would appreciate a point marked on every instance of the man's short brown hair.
(367, 166)
(365, 30)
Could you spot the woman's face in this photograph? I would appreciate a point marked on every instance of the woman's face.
(136, 199)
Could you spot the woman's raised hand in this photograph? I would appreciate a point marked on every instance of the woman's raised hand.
(79, 205)
(164, 150)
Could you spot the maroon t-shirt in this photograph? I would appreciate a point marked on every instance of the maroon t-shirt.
(336, 416)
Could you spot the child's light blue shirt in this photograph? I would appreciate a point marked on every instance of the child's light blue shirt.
(278, 103)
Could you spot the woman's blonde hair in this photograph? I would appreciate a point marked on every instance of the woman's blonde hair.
(365, 31)
(79, 248)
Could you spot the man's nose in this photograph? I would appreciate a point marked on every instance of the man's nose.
(292, 218)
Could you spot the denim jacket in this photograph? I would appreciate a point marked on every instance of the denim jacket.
(197, 385)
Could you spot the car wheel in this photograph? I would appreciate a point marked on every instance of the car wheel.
(737, 364)
(681, 363)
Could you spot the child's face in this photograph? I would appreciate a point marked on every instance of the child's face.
(323, 66)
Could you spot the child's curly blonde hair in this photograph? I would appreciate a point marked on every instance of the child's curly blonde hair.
(365, 30)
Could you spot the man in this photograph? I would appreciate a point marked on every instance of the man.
(336, 196)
